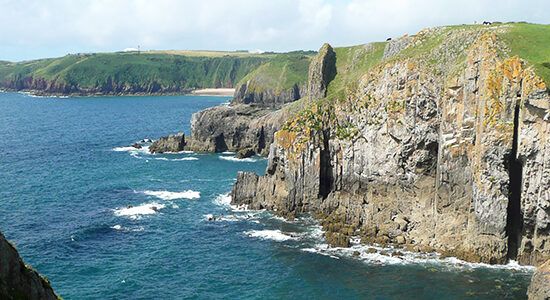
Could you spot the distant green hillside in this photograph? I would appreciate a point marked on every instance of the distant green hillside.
(128, 73)
(280, 73)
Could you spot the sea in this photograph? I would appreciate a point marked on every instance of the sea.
(102, 220)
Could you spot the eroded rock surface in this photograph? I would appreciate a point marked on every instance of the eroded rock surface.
(539, 289)
(19, 281)
(170, 143)
(445, 150)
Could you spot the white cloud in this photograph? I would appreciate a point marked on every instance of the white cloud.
(35, 28)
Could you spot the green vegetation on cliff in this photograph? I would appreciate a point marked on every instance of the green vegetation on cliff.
(114, 73)
(532, 43)
(280, 73)
(352, 63)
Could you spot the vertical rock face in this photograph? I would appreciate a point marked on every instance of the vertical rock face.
(539, 289)
(17, 280)
(261, 105)
(321, 71)
(246, 94)
(224, 128)
(450, 157)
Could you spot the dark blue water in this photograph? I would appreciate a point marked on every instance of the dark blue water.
(65, 197)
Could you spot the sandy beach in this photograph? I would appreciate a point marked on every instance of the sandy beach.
(214, 92)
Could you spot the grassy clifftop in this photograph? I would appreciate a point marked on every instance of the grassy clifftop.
(280, 73)
(440, 52)
(115, 73)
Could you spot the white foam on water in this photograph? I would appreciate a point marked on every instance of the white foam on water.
(136, 212)
(376, 255)
(185, 158)
(176, 159)
(267, 234)
(134, 152)
(121, 228)
(227, 153)
(223, 200)
(166, 195)
(233, 158)
(124, 149)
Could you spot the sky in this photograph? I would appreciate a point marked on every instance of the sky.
(32, 29)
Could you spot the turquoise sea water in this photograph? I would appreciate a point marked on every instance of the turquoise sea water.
(103, 222)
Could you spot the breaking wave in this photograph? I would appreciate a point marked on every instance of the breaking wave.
(135, 212)
(233, 158)
(166, 195)
(274, 235)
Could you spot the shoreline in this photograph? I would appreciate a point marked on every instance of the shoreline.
(220, 92)
(213, 92)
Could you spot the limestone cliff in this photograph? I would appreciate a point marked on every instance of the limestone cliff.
(171, 143)
(17, 280)
(539, 289)
(438, 142)
(321, 72)
(263, 100)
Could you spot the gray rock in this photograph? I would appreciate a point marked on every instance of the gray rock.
(539, 289)
(20, 281)
(245, 153)
(321, 72)
(433, 159)
(171, 143)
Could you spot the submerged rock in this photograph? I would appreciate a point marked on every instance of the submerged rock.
(171, 143)
(245, 153)
(18, 280)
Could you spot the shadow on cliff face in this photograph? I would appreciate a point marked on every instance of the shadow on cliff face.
(325, 170)
(514, 222)
(219, 143)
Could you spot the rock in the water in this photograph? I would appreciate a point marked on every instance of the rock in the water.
(232, 128)
(171, 143)
(245, 153)
(136, 145)
(19, 281)
(539, 289)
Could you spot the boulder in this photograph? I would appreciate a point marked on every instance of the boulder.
(245, 153)
(171, 143)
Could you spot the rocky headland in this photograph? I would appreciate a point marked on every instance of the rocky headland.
(263, 101)
(432, 142)
(18, 280)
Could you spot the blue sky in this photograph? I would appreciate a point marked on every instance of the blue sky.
(34, 29)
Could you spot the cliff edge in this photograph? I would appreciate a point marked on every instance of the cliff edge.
(432, 142)
(19, 281)
(263, 100)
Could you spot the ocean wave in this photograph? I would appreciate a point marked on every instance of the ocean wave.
(227, 153)
(376, 255)
(127, 229)
(176, 159)
(268, 234)
(167, 195)
(235, 159)
(143, 150)
(232, 218)
(223, 200)
(135, 212)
